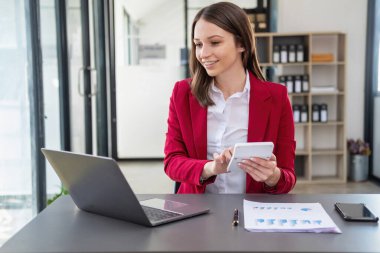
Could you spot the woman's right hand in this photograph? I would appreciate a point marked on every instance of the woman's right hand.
(218, 165)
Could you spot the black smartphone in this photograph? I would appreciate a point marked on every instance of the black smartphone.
(355, 212)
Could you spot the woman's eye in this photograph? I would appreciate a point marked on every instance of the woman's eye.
(198, 44)
(215, 43)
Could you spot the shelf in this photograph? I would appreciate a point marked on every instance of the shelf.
(320, 180)
(273, 34)
(334, 93)
(327, 63)
(327, 180)
(303, 180)
(321, 152)
(332, 33)
(284, 64)
(303, 124)
(270, 64)
(326, 163)
(317, 124)
(303, 94)
(302, 152)
(329, 123)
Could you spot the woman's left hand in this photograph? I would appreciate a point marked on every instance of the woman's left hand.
(262, 170)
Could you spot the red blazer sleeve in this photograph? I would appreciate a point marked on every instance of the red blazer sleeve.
(285, 148)
(181, 162)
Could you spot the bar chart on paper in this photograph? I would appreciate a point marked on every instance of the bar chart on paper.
(287, 217)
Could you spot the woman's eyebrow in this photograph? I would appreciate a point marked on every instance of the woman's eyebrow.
(210, 37)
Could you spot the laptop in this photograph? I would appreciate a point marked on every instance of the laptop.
(97, 185)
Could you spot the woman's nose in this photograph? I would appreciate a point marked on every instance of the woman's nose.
(204, 51)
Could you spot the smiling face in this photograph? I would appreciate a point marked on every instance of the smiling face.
(216, 49)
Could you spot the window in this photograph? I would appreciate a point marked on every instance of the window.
(51, 88)
(15, 137)
(378, 71)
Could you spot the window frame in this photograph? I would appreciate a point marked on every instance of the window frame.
(371, 72)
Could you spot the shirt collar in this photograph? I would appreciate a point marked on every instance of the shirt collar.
(247, 86)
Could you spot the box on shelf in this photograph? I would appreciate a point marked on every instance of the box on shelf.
(322, 57)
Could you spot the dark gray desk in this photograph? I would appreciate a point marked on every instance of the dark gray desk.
(63, 228)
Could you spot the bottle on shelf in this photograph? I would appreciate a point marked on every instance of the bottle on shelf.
(282, 80)
(315, 113)
(297, 84)
(323, 112)
(284, 54)
(292, 53)
(276, 54)
(300, 53)
(296, 113)
(304, 113)
(289, 84)
(305, 83)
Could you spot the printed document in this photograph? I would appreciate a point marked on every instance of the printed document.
(287, 217)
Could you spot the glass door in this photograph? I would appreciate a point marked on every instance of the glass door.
(50, 89)
(29, 63)
(376, 113)
(372, 96)
(82, 71)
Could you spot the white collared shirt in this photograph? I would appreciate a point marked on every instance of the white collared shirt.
(227, 124)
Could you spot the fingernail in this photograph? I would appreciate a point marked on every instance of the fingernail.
(253, 159)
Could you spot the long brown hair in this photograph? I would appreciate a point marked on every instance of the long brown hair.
(232, 19)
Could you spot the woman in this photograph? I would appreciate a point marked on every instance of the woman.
(227, 101)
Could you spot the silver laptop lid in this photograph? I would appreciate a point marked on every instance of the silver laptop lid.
(97, 185)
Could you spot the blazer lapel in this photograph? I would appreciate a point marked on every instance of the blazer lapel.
(260, 104)
(199, 126)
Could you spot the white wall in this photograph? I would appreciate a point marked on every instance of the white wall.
(348, 16)
(143, 91)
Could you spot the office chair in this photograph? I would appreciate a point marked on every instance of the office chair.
(176, 187)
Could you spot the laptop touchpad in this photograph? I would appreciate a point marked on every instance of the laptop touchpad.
(163, 204)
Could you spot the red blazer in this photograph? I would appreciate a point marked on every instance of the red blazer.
(270, 119)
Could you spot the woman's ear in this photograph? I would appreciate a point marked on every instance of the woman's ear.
(239, 46)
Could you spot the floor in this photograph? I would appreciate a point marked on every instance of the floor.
(349, 187)
(149, 177)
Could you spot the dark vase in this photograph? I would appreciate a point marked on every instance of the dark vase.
(358, 168)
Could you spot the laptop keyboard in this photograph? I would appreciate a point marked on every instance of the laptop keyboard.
(155, 214)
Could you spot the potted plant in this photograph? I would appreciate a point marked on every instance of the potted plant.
(359, 151)
(63, 191)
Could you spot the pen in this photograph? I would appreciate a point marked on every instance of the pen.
(235, 220)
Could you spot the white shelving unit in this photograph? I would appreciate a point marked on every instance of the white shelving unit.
(321, 147)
